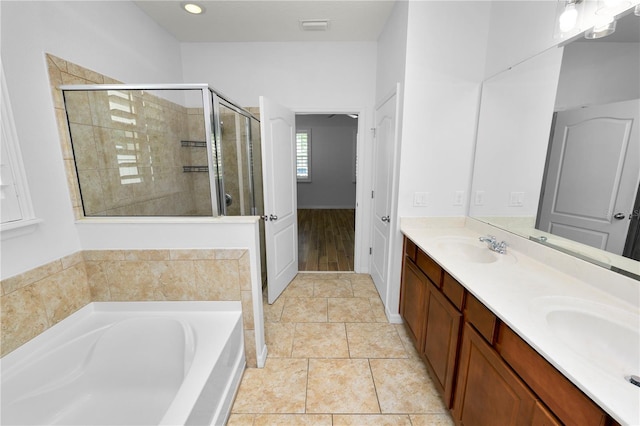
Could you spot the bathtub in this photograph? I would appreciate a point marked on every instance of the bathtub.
(128, 363)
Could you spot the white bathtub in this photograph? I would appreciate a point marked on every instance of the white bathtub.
(128, 363)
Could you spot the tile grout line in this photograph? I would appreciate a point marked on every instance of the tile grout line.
(375, 388)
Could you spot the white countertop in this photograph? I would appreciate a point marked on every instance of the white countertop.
(521, 288)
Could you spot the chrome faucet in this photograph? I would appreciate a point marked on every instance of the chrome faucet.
(494, 245)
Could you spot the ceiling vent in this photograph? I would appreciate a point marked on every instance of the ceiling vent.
(314, 25)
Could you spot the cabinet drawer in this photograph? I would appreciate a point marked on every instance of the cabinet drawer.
(566, 401)
(453, 290)
(481, 318)
(429, 267)
(410, 249)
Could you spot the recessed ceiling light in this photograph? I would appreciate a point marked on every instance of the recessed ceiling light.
(193, 8)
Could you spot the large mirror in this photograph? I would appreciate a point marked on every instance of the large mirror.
(558, 149)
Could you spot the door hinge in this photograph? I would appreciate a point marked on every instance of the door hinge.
(371, 194)
(370, 250)
(373, 131)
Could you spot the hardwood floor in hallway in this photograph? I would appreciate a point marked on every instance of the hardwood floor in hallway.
(326, 239)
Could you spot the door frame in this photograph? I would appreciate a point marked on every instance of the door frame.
(363, 180)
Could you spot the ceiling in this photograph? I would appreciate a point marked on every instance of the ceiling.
(269, 20)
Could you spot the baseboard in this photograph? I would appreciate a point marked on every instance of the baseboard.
(393, 318)
(327, 207)
(261, 358)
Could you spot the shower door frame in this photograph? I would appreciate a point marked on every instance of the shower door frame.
(217, 100)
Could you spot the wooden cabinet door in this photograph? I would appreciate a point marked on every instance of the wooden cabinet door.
(441, 341)
(413, 294)
(488, 393)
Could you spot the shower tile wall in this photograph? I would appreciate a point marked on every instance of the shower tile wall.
(128, 154)
(33, 301)
(197, 156)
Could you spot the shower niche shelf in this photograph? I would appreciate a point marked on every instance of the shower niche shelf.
(193, 144)
(196, 169)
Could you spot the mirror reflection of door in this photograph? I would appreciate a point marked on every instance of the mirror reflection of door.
(593, 175)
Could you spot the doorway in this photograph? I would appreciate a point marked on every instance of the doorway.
(326, 170)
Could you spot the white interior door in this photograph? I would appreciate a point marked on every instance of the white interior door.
(593, 175)
(384, 143)
(278, 129)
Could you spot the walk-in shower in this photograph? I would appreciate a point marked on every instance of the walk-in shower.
(163, 150)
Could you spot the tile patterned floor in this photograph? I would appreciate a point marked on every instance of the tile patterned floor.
(333, 359)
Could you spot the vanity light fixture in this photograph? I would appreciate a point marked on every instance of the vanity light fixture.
(611, 7)
(602, 29)
(314, 25)
(569, 17)
(193, 8)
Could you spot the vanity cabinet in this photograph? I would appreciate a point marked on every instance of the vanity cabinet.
(486, 373)
(488, 392)
(413, 301)
(441, 341)
(431, 317)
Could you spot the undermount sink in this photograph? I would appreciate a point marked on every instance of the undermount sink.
(470, 250)
(606, 336)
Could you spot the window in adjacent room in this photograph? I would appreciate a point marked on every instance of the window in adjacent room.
(303, 155)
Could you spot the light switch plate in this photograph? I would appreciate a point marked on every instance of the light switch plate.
(516, 199)
(420, 199)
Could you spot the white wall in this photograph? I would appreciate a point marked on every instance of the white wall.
(332, 162)
(513, 132)
(329, 77)
(444, 71)
(298, 75)
(519, 29)
(392, 51)
(445, 64)
(113, 38)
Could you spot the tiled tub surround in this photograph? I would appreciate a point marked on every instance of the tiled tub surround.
(127, 149)
(520, 293)
(36, 300)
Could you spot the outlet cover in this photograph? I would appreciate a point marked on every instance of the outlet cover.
(479, 199)
(458, 198)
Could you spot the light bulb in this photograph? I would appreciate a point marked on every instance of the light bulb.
(603, 25)
(568, 19)
(193, 8)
